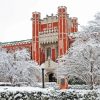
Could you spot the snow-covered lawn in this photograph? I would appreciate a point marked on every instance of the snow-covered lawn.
(43, 90)
(24, 89)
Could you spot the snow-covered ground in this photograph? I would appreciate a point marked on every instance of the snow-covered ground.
(38, 89)
(23, 89)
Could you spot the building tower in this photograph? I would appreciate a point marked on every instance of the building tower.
(62, 30)
(50, 35)
(74, 24)
(35, 36)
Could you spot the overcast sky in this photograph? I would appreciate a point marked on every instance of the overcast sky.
(15, 15)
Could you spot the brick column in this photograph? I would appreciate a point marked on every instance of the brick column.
(62, 30)
(35, 36)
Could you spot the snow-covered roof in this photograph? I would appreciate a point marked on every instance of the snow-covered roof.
(15, 42)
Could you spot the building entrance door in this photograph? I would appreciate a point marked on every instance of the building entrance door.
(52, 78)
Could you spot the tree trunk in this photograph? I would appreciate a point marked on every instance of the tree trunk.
(91, 82)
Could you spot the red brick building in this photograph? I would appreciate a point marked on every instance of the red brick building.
(50, 36)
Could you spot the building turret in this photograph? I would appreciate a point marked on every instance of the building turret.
(62, 30)
(74, 24)
(35, 36)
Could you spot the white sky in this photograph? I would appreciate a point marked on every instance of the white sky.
(15, 15)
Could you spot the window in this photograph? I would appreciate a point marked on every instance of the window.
(48, 52)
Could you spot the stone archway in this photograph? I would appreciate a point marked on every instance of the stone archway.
(50, 67)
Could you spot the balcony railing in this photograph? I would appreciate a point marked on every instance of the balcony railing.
(48, 37)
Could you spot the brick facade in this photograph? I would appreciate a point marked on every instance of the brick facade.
(50, 36)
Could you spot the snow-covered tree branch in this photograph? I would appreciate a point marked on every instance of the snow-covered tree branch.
(94, 25)
(83, 59)
(18, 67)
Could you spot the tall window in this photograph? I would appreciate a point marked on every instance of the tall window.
(56, 51)
(48, 52)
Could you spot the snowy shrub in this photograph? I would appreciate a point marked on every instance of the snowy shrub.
(53, 95)
(75, 80)
(90, 95)
(79, 87)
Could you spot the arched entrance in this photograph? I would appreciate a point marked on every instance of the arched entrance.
(52, 78)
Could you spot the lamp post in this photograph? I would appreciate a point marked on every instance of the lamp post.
(43, 78)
